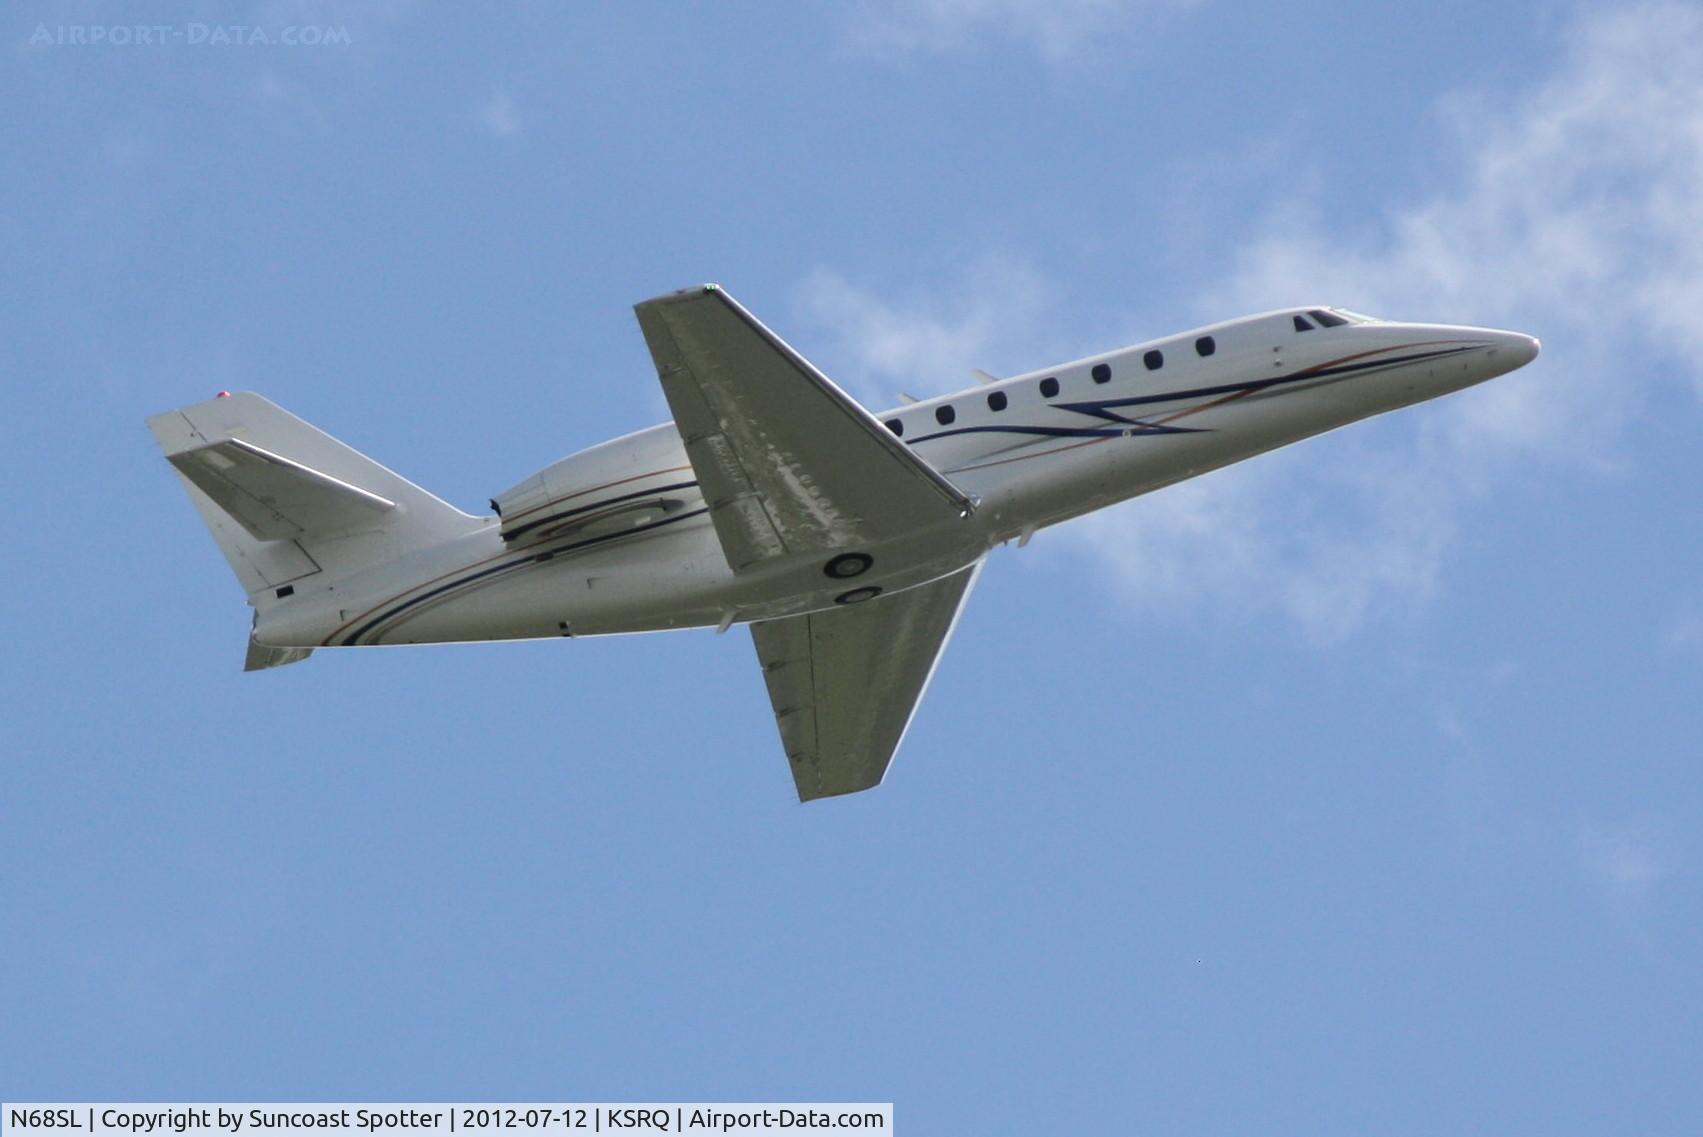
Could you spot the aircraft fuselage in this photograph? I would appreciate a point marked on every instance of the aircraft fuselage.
(618, 538)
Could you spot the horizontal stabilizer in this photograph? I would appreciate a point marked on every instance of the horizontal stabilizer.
(285, 500)
(276, 499)
(260, 656)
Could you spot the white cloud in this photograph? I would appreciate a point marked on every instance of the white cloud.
(270, 86)
(499, 115)
(1328, 534)
(926, 344)
(1577, 214)
(1579, 210)
(1057, 30)
(1625, 864)
(1684, 631)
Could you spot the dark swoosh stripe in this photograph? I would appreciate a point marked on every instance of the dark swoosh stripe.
(1101, 408)
(1065, 431)
(567, 513)
(518, 562)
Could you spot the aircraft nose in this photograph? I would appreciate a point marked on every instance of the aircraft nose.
(1511, 350)
(1519, 349)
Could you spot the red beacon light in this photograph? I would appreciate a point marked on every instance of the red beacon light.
(223, 395)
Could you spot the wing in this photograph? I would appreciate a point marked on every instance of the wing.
(845, 683)
(787, 461)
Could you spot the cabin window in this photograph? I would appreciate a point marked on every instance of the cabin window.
(944, 415)
(1049, 387)
(1102, 373)
(1301, 324)
(1153, 360)
(895, 426)
(996, 400)
(1205, 345)
(1328, 319)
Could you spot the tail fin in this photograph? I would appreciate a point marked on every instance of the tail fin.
(286, 501)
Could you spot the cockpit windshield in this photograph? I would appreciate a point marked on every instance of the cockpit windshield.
(1332, 318)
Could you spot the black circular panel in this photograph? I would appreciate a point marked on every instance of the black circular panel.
(847, 565)
(858, 595)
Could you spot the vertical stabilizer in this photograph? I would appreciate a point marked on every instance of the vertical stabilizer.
(287, 503)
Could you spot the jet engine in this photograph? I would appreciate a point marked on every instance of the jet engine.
(624, 484)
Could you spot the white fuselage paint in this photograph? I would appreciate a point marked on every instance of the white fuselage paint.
(616, 538)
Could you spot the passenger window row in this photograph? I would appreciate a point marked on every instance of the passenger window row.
(1153, 360)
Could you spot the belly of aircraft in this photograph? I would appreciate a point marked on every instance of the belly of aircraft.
(654, 582)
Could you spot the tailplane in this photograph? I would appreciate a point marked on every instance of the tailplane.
(287, 502)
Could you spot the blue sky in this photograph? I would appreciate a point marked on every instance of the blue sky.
(1353, 789)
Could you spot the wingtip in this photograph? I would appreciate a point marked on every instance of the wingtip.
(681, 295)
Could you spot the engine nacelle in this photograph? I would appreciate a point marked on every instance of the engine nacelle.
(627, 483)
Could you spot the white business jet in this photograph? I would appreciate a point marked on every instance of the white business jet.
(847, 541)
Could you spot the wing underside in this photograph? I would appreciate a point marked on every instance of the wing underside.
(791, 466)
(788, 462)
(845, 683)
